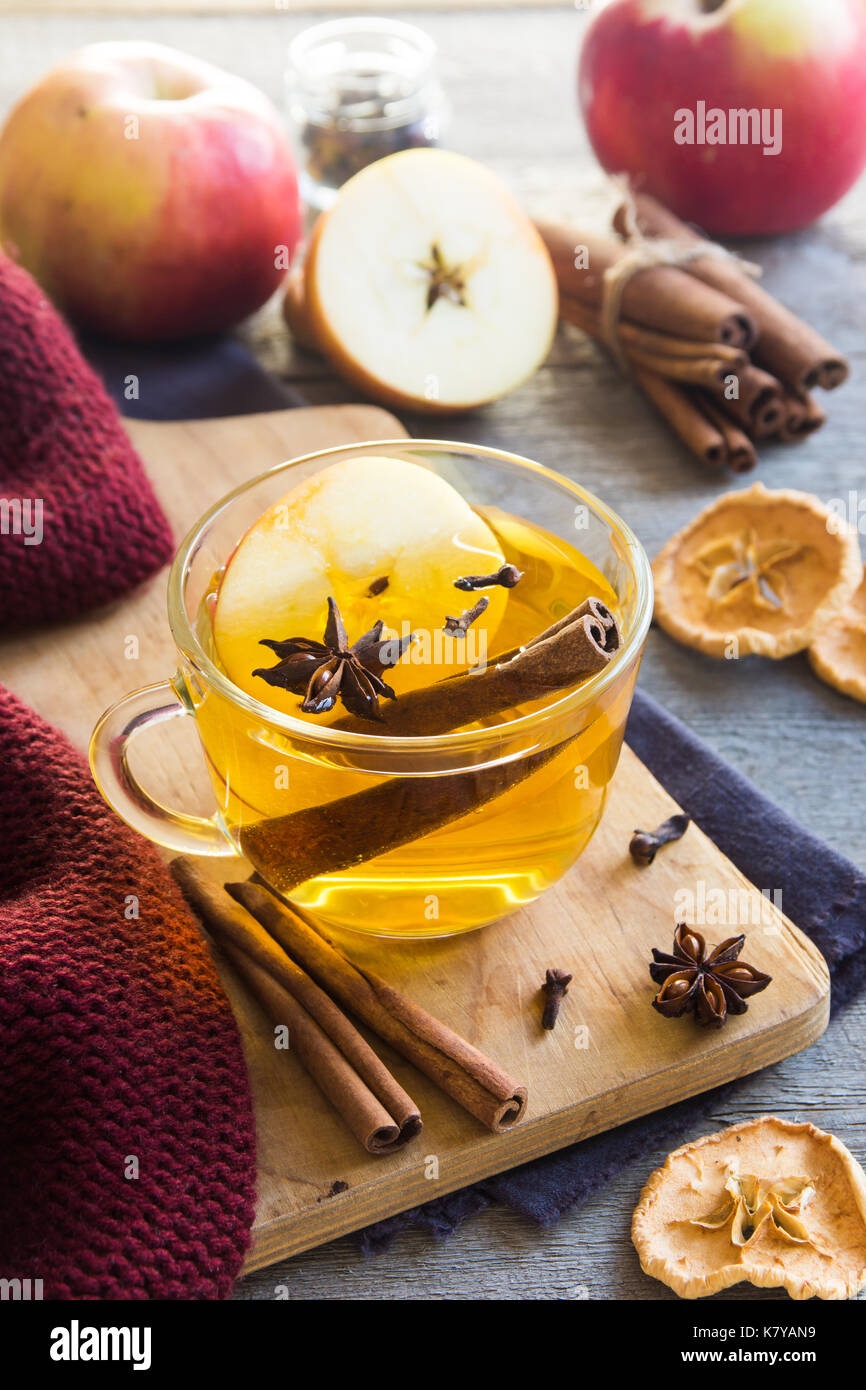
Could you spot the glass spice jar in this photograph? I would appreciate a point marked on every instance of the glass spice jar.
(359, 89)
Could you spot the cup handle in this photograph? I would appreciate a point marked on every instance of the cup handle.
(109, 745)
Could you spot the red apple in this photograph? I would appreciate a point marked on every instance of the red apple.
(152, 195)
(647, 62)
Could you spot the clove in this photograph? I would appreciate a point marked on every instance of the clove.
(458, 627)
(645, 844)
(555, 988)
(506, 575)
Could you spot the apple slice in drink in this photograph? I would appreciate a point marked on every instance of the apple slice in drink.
(384, 537)
(428, 286)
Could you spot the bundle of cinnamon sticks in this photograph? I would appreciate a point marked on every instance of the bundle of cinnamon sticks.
(303, 983)
(722, 361)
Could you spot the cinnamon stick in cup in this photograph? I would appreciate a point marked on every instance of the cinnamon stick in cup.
(786, 346)
(351, 829)
(345, 1068)
(605, 626)
(467, 1075)
(661, 297)
(572, 650)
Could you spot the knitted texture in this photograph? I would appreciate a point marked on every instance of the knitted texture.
(63, 448)
(127, 1141)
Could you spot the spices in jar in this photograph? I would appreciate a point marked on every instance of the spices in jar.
(358, 90)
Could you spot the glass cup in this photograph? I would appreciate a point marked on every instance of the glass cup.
(350, 825)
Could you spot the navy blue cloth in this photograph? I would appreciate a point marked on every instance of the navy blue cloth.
(186, 381)
(822, 891)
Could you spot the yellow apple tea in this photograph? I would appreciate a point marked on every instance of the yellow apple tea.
(490, 827)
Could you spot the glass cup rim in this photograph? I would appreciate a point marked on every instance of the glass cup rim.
(187, 642)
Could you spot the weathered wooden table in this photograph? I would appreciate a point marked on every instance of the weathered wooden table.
(510, 76)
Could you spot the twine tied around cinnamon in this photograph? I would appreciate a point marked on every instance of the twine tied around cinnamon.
(643, 253)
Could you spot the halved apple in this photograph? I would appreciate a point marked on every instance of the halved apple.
(386, 538)
(427, 285)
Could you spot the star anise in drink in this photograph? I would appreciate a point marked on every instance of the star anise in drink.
(710, 986)
(326, 671)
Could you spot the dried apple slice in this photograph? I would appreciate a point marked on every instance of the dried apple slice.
(427, 285)
(758, 570)
(838, 654)
(780, 1204)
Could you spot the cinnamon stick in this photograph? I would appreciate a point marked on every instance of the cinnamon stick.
(648, 340)
(697, 371)
(803, 415)
(608, 631)
(685, 418)
(573, 649)
(701, 364)
(759, 405)
(352, 829)
(661, 297)
(786, 346)
(345, 1068)
(739, 447)
(467, 1075)
(324, 839)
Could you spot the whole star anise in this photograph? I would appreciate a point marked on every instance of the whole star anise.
(330, 670)
(710, 986)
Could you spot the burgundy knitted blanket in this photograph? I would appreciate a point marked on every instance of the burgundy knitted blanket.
(79, 524)
(127, 1162)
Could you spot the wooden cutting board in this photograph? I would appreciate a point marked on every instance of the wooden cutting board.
(611, 1056)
